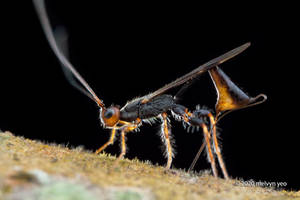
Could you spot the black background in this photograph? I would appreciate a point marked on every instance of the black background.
(125, 51)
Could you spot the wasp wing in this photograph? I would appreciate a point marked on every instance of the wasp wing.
(199, 70)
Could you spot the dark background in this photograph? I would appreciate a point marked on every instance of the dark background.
(125, 51)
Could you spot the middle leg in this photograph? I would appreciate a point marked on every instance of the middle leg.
(166, 139)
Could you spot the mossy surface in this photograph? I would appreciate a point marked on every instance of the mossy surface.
(36, 170)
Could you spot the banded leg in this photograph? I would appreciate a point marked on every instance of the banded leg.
(110, 141)
(166, 137)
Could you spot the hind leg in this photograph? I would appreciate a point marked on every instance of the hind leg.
(201, 113)
(181, 113)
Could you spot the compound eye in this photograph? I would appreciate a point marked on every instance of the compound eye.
(111, 116)
(109, 113)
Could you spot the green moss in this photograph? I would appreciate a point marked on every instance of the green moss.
(36, 169)
(128, 195)
(63, 191)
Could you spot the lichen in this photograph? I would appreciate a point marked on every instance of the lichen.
(38, 169)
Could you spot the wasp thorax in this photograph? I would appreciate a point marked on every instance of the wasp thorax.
(111, 116)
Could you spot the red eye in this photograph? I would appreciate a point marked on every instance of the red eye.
(111, 116)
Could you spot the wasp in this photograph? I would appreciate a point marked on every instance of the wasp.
(160, 105)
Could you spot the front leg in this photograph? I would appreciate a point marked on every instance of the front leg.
(127, 127)
(109, 142)
(123, 149)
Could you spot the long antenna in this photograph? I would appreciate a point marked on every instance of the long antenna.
(42, 14)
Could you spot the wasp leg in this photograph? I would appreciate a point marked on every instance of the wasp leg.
(182, 113)
(123, 148)
(125, 129)
(166, 138)
(127, 125)
(209, 149)
(219, 155)
(110, 141)
(207, 137)
(123, 145)
(200, 113)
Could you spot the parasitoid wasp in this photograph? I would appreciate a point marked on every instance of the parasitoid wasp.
(158, 105)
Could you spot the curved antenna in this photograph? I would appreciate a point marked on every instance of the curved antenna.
(42, 14)
(62, 42)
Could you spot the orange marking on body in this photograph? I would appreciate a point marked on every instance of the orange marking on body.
(187, 114)
(144, 101)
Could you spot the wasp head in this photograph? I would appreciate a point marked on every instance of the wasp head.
(110, 116)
